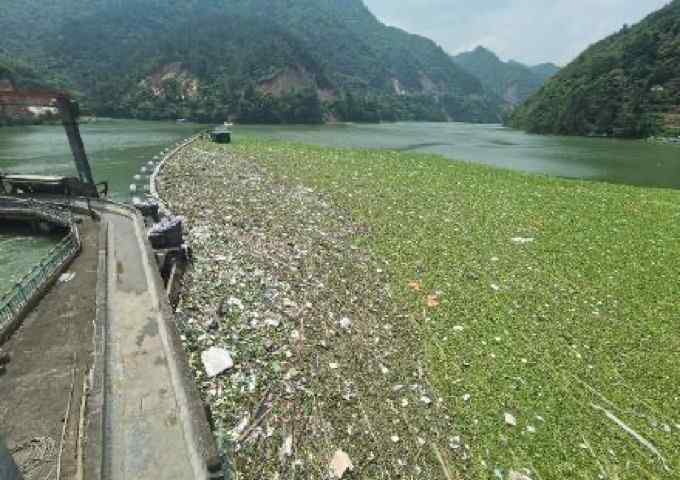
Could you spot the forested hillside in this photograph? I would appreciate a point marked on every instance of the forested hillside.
(254, 60)
(511, 81)
(626, 85)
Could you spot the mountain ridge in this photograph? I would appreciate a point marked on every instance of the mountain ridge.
(512, 81)
(295, 53)
(626, 85)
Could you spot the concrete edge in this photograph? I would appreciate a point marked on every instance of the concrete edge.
(207, 444)
(9, 329)
(205, 457)
(92, 463)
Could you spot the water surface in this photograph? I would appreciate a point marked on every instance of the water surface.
(119, 148)
(116, 148)
(633, 162)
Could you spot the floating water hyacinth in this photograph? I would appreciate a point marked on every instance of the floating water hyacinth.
(321, 222)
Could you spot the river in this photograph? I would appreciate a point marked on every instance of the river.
(118, 148)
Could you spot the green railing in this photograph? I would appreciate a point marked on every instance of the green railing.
(15, 300)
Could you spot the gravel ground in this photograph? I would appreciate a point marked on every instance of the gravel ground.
(329, 371)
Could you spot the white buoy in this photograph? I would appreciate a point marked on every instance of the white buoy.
(137, 178)
(149, 163)
(133, 188)
(143, 170)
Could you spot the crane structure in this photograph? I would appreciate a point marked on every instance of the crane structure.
(68, 111)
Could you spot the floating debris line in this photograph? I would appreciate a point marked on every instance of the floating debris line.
(313, 369)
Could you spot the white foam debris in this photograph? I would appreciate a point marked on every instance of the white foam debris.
(67, 277)
(345, 323)
(235, 302)
(522, 240)
(286, 449)
(513, 475)
(340, 464)
(510, 420)
(216, 360)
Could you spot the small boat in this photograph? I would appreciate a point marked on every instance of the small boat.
(220, 135)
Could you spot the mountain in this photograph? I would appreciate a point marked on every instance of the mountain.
(255, 60)
(511, 81)
(626, 85)
(545, 70)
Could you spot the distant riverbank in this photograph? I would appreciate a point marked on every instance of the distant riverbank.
(370, 289)
(664, 140)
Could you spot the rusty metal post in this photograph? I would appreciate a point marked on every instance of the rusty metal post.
(67, 110)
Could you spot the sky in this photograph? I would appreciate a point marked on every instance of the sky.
(530, 31)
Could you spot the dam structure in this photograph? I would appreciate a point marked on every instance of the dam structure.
(97, 378)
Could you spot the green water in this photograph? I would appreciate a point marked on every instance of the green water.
(119, 148)
(19, 251)
(617, 161)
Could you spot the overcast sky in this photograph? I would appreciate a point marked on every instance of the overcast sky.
(531, 31)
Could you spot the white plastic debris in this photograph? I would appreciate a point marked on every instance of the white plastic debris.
(495, 287)
(345, 323)
(286, 449)
(395, 438)
(518, 476)
(340, 464)
(216, 360)
(272, 322)
(235, 302)
(522, 240)
(458, 328)
(67, 277)
(510, 420)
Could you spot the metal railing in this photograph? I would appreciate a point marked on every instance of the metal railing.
(15, 300)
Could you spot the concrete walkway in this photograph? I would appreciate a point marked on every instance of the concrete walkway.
(143, 421)
(139, 416)
(40, 395)
(154, 427)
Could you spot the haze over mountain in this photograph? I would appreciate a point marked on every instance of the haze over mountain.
(511, 81)
(257, 60)
(625, 85)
